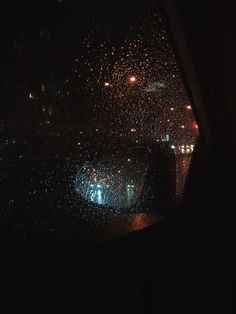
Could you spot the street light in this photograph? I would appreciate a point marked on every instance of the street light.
(132, 79)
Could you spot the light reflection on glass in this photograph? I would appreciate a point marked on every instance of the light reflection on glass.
(101, 183)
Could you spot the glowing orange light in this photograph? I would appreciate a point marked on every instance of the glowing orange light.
(182, 126)
(172, 109)
(107, 84)
(132, 79)
(188, 107)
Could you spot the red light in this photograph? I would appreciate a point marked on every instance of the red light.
(194, 125)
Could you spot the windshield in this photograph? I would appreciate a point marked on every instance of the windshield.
(79, 79)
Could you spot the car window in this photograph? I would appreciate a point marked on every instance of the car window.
(79, 79)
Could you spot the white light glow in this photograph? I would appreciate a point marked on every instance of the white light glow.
(132, 79)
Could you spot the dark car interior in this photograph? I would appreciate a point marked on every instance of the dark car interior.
(185, 262)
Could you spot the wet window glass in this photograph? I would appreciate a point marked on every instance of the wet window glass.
(92, 95)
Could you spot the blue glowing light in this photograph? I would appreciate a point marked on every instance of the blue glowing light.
(111, 181)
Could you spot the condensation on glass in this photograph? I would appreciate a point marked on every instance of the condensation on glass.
(80, 78)
(115, 180)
